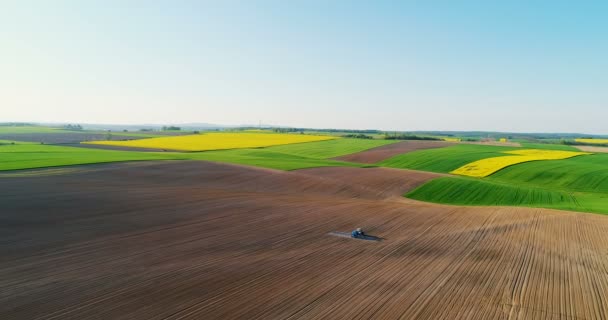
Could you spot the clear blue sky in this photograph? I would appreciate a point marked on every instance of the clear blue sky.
(533, 66)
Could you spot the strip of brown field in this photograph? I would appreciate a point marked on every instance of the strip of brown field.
(196, 240)
(384, 152)
(592, 149)
(382, 182)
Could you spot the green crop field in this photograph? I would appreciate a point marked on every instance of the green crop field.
(467, 191)
(446, 159)
(579, 183)
(265, 158)
(578, 174)
(29, 156)
(29, 129)
(329, 148)
(549, 146)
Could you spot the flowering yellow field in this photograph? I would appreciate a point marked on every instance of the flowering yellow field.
(215, 141)
(486, 167)
(593, 141)
(452, 139)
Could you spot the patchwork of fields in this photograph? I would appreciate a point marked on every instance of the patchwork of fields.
(287, 157)
(198, 240)
(516, 179)
(207, 235)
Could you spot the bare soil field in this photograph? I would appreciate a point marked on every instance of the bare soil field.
(381, 182)
(384, 152)
(592, 149)
(197, 240)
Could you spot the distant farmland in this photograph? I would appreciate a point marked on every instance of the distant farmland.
(142, 233)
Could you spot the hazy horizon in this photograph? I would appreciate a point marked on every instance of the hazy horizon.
(433, 66)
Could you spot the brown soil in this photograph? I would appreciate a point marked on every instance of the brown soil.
(196, 240)
(592, 149)
(381, 182)
(384, 152)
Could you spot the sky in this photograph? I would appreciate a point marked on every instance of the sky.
(518, 66)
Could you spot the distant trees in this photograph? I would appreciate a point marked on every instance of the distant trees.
(171, 128)
(16, 124)
(74, 127)
(284, 130)
(569, 142)
(357, 136)
(408, 137)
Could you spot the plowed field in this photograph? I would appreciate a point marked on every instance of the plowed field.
(197, 240)
(381, 153)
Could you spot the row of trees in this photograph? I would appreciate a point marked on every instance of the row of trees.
(357, 136)
(72, 127)
(408, 137)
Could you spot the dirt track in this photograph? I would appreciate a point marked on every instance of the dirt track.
(384, 152)
(198, 240)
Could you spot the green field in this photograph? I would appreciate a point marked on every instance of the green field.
(266, 158)
(464, 191)
(29, 129)
(549, 146)
(288, 157)
(579, 183)
(28, 156)
(330, 148)
(578, 174)
(444, 160)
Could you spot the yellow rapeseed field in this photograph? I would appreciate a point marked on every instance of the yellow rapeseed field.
(215, 141)
(592, 141)
(486, 167)
(452, 139)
